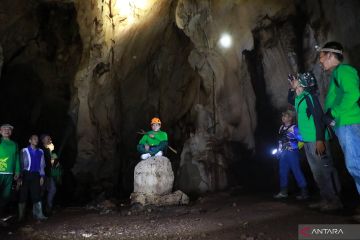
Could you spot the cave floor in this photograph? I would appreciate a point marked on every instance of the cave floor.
(216, 216)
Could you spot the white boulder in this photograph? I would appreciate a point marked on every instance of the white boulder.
(154, 176)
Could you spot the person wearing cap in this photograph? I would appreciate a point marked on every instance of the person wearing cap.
(342, 105)
(9, 164)
(154, 142)
(316, 145)
(33, 176)
(289, 157)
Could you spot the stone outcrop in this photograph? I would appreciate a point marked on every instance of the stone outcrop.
(153, 183)
(228, 113)
(175, 198)
(154, 176)
(202, 167)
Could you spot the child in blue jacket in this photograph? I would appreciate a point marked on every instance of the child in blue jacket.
(289, 157)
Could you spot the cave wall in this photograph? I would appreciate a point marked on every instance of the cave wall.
(41, 49)
(168, 63)
(129, 73)
(39, 56)
(99, 70)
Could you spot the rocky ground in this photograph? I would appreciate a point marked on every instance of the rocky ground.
(225, 215)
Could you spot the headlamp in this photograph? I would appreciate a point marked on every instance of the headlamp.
(319, 49)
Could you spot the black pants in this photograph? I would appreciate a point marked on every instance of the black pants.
(30, 183)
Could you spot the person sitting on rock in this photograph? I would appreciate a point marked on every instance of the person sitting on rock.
(154, 142)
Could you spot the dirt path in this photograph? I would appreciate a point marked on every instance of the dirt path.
(218, 216)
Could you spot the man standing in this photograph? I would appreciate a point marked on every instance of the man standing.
(50, 184)
(342, 106)
(316, 142)
(32, 164)
(9, 165)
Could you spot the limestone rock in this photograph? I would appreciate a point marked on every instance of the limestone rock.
(154, 176)
(202, 166)
(176, 198)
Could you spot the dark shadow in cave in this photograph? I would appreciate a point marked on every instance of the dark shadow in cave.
(262, 163)
(36, 85)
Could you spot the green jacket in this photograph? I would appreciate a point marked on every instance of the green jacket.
(158, 143)
(309, 113)
(9, 157)
(343, 95)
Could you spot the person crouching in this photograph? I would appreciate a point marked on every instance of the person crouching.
(32, 166)
(154, 142)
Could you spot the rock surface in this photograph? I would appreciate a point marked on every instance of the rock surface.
(153, 182)
(154, 176)
(175, 198)
(95, 72)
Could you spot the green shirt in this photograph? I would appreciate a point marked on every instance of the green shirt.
(159, 136)
(343, 98)
(310, 125)
(9, 157)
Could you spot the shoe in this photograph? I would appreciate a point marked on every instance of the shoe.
(159, 154)
(304, 195)
(317, 205)
(37, 212)
(332, 206)
(281, 195)
(145, 156)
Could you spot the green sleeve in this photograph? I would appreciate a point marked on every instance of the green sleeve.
(348, 81)
(162, 137)
(165, 137)
(143, 140)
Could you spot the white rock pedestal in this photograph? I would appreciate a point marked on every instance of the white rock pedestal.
(153, 182)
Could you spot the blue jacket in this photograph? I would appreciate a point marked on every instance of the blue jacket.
(27, 161)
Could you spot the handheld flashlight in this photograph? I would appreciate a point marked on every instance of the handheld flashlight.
(274, 151)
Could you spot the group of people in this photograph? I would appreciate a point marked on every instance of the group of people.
(313, 129)
(32, 167)
(30, 170)
(342, 115)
